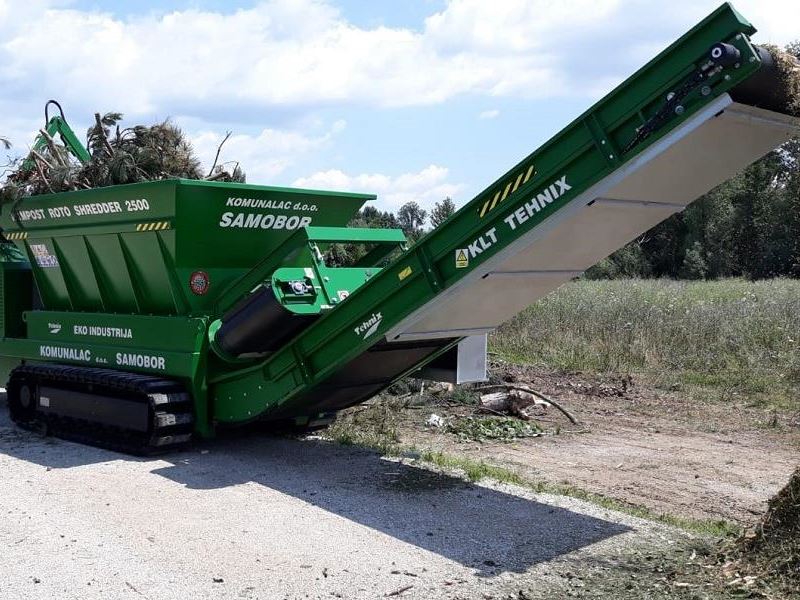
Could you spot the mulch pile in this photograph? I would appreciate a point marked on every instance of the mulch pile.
(789, 70)
(771, 550)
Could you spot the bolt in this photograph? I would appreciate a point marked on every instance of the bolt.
(706, 90)
(679, 110)
(670, 96)
(752, 59)
(611, 156)
(603, 142)
(727, 77)
(738, 36)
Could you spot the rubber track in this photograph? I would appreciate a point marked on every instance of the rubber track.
(170, 408)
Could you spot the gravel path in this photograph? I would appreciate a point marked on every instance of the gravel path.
(279, 518)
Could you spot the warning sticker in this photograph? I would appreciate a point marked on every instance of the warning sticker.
(462, 258)
(404, 273)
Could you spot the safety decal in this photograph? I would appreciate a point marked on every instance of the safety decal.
(160, 226)
(505, 191)
(462, 258)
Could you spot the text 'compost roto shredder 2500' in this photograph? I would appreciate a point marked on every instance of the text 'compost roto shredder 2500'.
(136, 317)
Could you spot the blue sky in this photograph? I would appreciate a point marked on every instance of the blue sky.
(362, 13)
(411, 99)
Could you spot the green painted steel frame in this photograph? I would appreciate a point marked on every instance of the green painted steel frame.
(132, 249)
(288, 251)
(334, 284)
(57, 126)
(589, 149)
(167, 346)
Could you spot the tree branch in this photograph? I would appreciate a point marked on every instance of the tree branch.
(216, 158)
(51, 145)
(527, 390)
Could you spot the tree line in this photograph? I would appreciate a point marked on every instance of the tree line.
(748, 227)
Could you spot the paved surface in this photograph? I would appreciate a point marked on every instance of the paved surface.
(271, 518)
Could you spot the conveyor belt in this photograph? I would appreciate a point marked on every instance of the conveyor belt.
(718, 142)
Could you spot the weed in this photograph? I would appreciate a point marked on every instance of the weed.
(373, 426)
(473, 470)
(501, 429)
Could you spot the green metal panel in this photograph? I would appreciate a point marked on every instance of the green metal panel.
(233, 224)
(133, 248)
(44, 259)
(79, 274)
(112, 275)
(16, 295)
(135, 332)
(145, 263)
(164, 345)
(174, 364)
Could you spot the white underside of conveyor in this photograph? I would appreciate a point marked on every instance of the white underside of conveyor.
(707, 150)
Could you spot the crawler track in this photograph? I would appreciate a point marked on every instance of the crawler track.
(125, 412)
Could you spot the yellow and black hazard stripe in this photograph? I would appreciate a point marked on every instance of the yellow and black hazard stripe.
(504, 192)
(158, 226)
(17, 235)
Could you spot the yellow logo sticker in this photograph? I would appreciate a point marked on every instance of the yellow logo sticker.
(404, 273)
(462, 258)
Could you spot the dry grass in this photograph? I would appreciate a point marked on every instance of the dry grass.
(725, 338)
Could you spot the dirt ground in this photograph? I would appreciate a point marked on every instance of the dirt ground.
(260, 517)
(271, 517)
(649, 447)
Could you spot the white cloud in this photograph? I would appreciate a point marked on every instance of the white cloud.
(426, 187)
(293, 56)
(299, 53)
(263, 156)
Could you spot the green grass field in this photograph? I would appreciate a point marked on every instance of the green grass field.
(726, 338)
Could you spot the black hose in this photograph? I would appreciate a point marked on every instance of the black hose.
(47, 111)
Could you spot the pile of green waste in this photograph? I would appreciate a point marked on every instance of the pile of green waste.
(788, 63)
(117, 156)
(772, 549)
